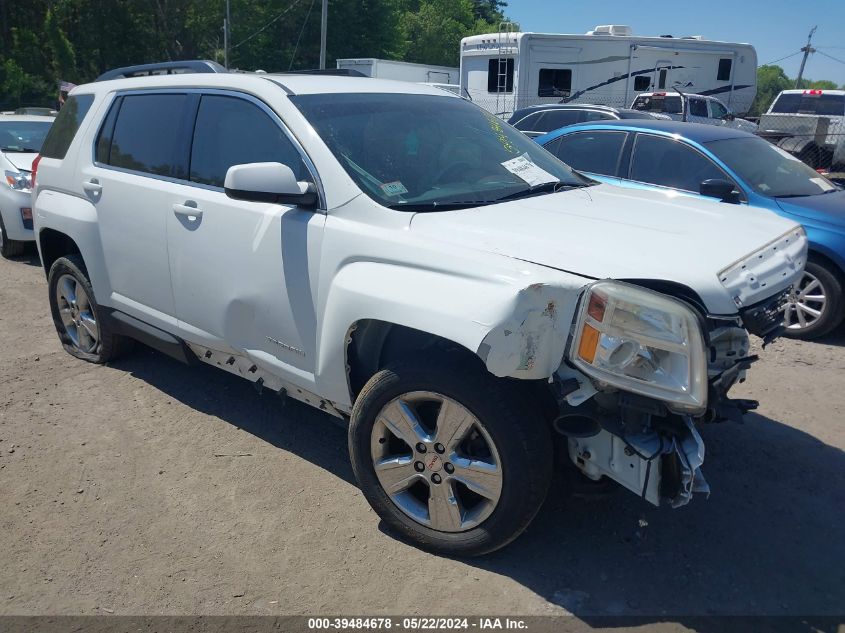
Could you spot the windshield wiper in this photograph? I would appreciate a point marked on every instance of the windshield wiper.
(545, 187)
(19, 150)
(439, 206)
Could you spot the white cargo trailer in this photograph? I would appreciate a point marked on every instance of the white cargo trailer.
(509, 70)
(401, 71)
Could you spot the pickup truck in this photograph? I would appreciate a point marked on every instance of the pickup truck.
(403, 260)
(809, 124)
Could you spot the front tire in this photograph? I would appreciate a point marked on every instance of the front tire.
(449, 456)
(79, 321)
(9, 248)
(815, 306)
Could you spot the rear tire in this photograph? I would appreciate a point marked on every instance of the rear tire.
(469, 491)
(819, 291)
(9, 248)
(811, 155)
(80, 323)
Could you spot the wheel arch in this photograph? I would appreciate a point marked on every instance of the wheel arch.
(53, 244)
(828, 260)
(373, 344)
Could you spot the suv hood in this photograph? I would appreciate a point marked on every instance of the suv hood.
(618, 233)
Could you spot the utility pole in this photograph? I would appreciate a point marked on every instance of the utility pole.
(323, 28)
(227, 25)
(807, 50)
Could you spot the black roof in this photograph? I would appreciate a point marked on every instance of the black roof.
(698, 132)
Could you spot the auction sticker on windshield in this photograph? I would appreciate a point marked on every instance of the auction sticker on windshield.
(523, 167)
(394, 188)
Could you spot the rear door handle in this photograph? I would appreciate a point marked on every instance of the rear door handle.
(192, 213)
(92, 186)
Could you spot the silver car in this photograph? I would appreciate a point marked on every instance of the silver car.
(21, 137)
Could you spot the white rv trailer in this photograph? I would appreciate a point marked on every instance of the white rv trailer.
(508, 70)
(402, 71)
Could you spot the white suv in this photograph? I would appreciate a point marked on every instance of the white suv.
(404, 260)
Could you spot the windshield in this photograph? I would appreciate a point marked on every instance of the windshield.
(424, 150)
(769, 170)
(23, 136)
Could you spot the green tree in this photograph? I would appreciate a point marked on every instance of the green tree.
(821, 84)
(64, 56)
(770, 81)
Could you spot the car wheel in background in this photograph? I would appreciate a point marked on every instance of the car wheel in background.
(815, 305)
(9, 248)
(83, 331)
(449, 456)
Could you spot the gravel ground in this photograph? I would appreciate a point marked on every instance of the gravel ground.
(147, 487)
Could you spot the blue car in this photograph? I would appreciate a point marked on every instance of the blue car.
(735, 167)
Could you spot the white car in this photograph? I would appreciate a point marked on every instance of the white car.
(699, 109)
(21, 137)
(402, 259)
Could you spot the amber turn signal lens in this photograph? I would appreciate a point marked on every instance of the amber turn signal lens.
(589, 343)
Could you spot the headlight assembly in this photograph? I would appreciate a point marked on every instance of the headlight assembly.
(18, 181)
(642, 341)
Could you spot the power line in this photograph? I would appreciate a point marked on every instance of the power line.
(782, 58)
(266, 26)
(301, 31)
(836, 59)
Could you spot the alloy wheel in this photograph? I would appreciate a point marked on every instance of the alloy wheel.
(77, 316)
(436, 461)
(806, 303)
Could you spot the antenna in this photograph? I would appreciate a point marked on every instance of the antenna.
(807, 50)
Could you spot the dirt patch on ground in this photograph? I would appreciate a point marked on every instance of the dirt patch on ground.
(148, 487)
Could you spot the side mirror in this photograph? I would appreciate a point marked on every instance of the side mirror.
(730, 116)
(268, 182)
(719, 188)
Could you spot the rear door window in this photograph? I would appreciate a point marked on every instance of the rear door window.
(670, 163)
(595, 151)
(66, 126)
(148, 135)
(554, 119)
(233, 131)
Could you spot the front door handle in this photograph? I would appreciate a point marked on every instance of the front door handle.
(92, 186)
(192, 213)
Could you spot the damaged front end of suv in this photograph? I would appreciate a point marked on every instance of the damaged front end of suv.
(643, 368)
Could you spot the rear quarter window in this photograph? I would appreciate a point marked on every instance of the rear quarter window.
(66, 126)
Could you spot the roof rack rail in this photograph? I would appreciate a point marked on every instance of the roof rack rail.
(163, 68)
(341, 72)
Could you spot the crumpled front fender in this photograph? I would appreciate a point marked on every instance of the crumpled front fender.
(531, 342)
